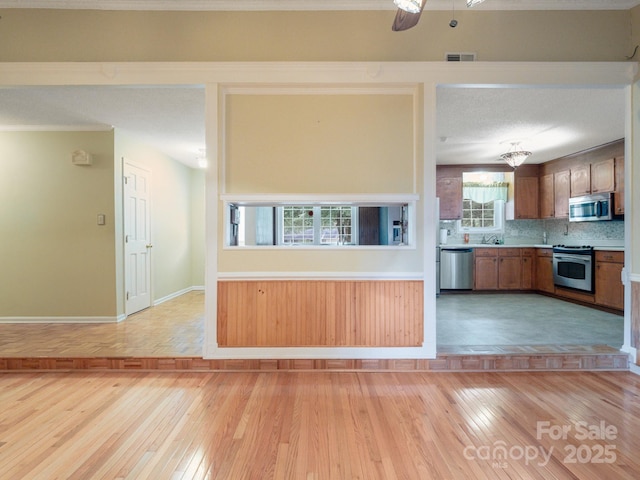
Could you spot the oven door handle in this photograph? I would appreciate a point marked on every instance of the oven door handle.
(573, 258)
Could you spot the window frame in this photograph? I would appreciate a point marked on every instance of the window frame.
(498, 220)
(317, 225)
(407, 201)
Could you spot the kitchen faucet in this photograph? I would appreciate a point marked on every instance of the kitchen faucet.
(492, 239)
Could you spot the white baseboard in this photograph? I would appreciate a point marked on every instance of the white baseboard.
(97, 319)
(173, 295)
(79, 319)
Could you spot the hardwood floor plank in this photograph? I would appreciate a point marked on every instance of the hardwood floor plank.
(275, 425)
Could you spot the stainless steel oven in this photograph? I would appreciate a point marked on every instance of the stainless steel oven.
(573, 267)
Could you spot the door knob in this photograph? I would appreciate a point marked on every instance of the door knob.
(149, 245)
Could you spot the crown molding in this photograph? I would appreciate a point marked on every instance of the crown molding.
(312, 5)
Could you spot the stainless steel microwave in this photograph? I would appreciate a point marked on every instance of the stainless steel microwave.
(591, 208)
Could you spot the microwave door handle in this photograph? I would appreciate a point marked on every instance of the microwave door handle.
(598, 208)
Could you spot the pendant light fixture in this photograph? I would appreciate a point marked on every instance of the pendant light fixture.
(515, 156)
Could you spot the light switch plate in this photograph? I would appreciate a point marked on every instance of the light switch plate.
(101, 219)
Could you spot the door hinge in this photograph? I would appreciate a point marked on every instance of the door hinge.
(127, 295)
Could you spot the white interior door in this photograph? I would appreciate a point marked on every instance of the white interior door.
(137, 238)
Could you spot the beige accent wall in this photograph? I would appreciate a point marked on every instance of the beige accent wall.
(31, 35)
(55, 260)
(172, 205)
(319, 144)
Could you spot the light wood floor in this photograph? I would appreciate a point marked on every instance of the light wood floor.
(172, 329)
(318, 425)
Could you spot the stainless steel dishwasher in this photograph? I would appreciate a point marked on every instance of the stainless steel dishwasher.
(456, 268)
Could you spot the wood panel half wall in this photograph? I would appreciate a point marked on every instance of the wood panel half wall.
(293, 313)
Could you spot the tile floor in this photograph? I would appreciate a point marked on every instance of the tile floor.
(522, 319)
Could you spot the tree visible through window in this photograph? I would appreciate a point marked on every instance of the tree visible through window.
(477, 215)
(297, 225)
(324, 225)
(336, 225)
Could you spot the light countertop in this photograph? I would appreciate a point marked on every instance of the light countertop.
(614, 248)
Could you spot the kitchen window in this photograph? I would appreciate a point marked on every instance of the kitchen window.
(483, 202)
(317, 225)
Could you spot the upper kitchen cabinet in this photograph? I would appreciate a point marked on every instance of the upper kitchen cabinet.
(526, 193)
(561, 192)
(603, 177)
(580, 180)
(547, 196)
(449, 190)
(596, 170)
(595, 177)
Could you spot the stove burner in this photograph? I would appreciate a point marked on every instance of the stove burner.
(579, 249)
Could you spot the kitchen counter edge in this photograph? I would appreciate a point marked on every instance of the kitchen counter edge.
(486, 245)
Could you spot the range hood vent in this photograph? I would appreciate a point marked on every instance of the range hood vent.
(460, 57)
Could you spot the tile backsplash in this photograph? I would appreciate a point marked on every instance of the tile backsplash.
(520, 232)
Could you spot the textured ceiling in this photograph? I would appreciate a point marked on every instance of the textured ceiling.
(474, 125)
(170, 118)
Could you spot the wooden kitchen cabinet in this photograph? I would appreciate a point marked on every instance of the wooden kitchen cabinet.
(603, 178)
(609, 288)
(618, 195)
(547, 197)
(503, 268)
(595, 177)
(561, 192)
(486, 269)
(528, 268)
(544, 270)
(449, 190)
(580, 180)
(526, 197)
(509, 269)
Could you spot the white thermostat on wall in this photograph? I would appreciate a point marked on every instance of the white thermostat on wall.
(80, 157)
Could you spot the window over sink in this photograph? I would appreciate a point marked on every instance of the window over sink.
(485, 196)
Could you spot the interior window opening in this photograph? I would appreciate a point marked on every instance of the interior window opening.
(318, 225)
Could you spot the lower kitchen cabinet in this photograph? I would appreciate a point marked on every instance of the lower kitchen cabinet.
(544, 270)
(503, 268)
(486, 269)
(528, 268)
(609, 288)
(509, 270)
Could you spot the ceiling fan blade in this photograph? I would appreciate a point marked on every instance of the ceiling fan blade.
(405, 20)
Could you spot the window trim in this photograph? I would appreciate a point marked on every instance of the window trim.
(317, 226)
(355, 200)
(498, 217)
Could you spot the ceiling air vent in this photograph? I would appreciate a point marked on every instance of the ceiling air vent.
(460, 57)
